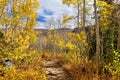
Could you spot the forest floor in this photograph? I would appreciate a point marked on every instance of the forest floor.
(54, 71)
(57, 67)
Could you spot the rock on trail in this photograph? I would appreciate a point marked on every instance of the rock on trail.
(54, 71)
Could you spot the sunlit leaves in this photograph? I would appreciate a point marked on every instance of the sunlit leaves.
(66, 18)
(71, 47)
(18, 17)
(78, 40)
(73, 2)
(105, 11)
(114, 67)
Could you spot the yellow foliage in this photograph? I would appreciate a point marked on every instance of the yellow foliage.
(19, 34)
(70, 46)
(105, 11)
(30, 69)
(20, 22)
(66, 18)
(73, 2)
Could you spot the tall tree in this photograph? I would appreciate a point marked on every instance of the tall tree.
(81, 9)
(84, 10)
(97, 36)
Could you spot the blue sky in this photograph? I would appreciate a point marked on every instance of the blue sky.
(42, 17)
(52, 8)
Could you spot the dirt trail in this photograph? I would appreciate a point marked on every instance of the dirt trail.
(54, 71)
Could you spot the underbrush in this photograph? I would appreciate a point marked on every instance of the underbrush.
(84, 69)
(86, 72)
(29, 68)
(49, 56)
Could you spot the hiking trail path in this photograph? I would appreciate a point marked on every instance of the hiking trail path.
(54, 71)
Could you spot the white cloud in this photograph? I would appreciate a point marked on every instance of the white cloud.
(56, 7)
